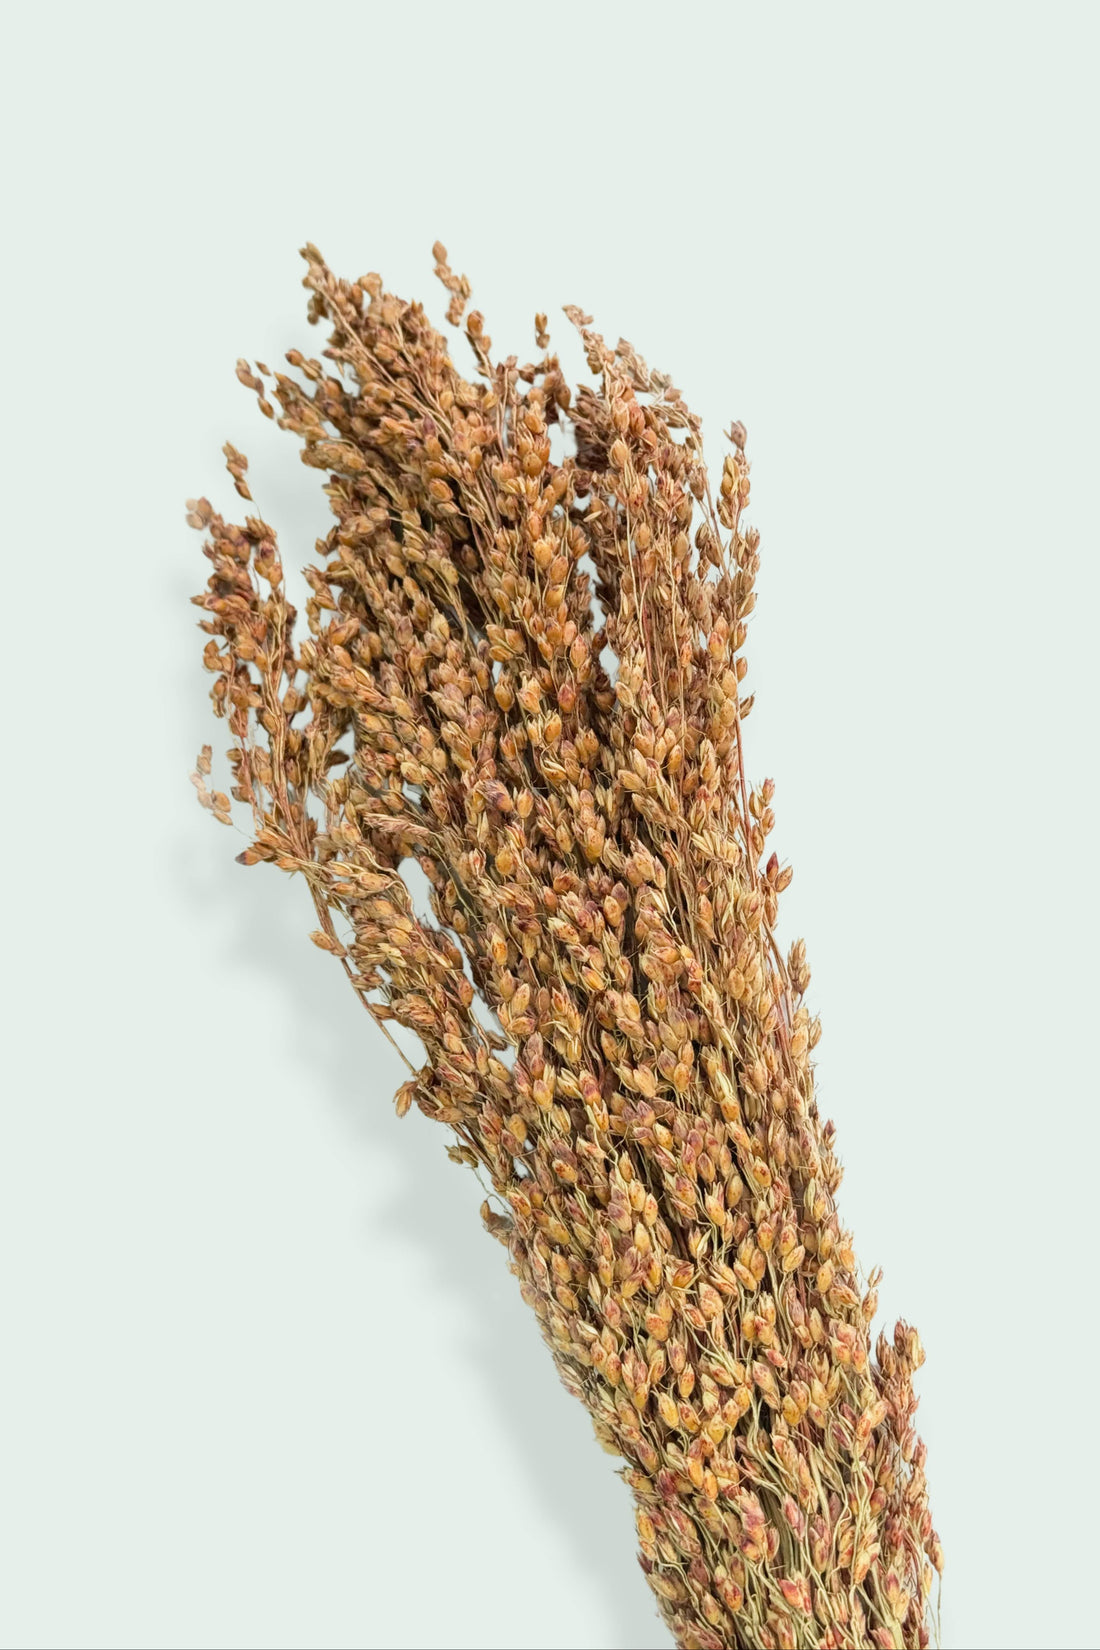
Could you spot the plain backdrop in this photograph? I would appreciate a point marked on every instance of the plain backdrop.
(264, 1379)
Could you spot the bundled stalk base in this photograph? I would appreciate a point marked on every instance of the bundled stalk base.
(526, 676)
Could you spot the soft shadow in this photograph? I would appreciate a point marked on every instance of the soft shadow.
(261, 930)
(260, 927)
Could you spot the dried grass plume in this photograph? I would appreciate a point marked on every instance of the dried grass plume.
(526, 675)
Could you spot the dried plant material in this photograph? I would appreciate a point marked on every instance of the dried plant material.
(527, 677)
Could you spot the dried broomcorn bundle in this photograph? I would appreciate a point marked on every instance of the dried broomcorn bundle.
(526, 676)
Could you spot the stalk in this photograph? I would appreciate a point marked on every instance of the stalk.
(527, 677)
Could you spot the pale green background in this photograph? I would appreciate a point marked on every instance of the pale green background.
(264, 1380)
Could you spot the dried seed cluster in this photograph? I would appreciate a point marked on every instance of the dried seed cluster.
(526, 675)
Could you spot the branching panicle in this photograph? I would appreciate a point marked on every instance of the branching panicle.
(527, 676)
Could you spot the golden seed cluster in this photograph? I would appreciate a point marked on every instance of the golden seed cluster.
(526, 675)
